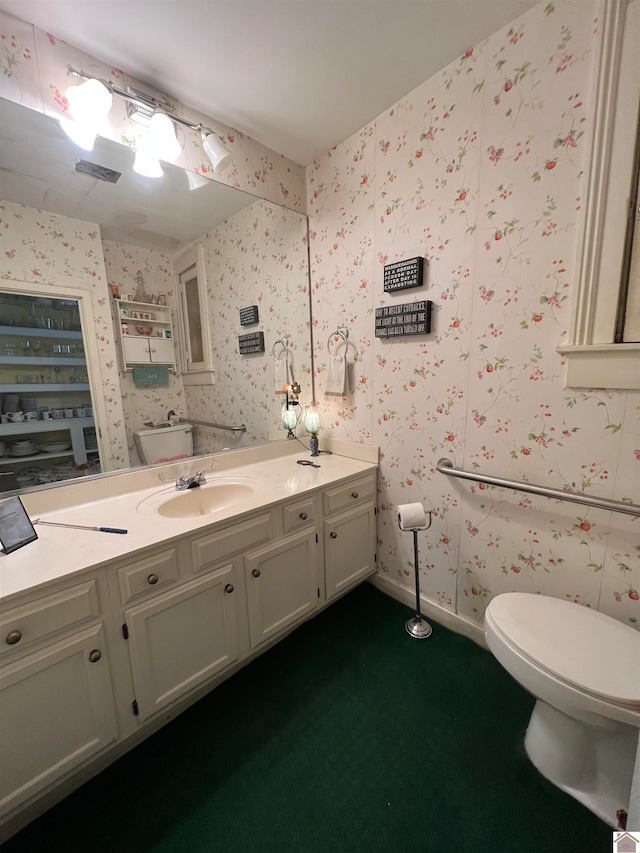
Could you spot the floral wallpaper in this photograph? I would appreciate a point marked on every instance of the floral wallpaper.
(143, 405)
(256, 257)
(480, 171)
(34, 67)
(59, 252)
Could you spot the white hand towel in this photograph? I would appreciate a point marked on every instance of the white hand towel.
(336, 384)
(281, 374)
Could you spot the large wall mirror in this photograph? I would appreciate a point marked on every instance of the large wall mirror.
(73, 234)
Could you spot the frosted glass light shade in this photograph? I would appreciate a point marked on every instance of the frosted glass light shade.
(289, 419)
(218, 154)
(196, 181)
(161, 137)
(311, 420)
(89, 105)
(147, 164)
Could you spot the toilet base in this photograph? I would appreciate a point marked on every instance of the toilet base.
(594, 764)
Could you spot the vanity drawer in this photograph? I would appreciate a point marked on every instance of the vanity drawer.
(298, 514)
(210, 549)
(25, 625)
(148, 575)
(356, 491)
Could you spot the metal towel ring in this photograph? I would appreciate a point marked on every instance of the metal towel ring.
(340, 334)
(284, 347)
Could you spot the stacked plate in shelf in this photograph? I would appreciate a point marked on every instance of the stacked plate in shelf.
(55, 446)
(10, 403)
(28, 404)
(23, 448)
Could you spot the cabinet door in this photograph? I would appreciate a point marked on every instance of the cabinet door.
(349, 548)
(136, 350)
(161, 351)
(182, 638)
(56, 711)
(282, 585)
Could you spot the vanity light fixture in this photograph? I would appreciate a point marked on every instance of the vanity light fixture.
(89, 105)
(311, 421)
(160, 140)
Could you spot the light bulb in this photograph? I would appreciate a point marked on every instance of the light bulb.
(89, 105)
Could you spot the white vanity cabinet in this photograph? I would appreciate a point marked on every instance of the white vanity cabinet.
(57, 707)
(349, 534)
(179, 634)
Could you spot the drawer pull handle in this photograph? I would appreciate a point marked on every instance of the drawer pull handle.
(256, 573)
(152, 579)
(354, 495)
(229, 587)
(333, 534)
(95, 655)
(303, 516)
(13, 637)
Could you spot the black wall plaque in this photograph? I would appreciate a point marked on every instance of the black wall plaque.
(412, 318)
(249, 315)
(403, 274)
(251, 343)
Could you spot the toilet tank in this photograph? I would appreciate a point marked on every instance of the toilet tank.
(163, 444)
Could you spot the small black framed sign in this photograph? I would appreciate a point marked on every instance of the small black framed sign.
(412, 318)
(249, 315)
(404, 274)
(253, 342)
(16, 528)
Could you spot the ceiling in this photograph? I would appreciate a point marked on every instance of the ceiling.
(300, 76)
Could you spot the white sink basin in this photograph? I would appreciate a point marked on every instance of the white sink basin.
(201, 500)
(204, 500)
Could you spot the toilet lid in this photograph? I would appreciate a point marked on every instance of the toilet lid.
(583, 647)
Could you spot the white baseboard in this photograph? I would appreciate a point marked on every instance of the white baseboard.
(430, 609)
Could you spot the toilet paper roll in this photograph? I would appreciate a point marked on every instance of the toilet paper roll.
(411, 516)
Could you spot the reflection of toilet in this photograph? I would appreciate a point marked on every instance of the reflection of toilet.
(583, 668)
(164, 444)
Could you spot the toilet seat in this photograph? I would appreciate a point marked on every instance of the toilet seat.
(581, 647)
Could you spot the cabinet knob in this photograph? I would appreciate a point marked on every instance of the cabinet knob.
(333, 534)
(256, 573)
(95, 655)
(354, 495)
(13, 637)
(303, 516)
(229, 587)
(152, 579)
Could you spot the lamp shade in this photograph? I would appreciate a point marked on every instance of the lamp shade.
(161, 137)
(311, 420)
(289, 419)
(89, 105)
(218, 154)
(147, 164)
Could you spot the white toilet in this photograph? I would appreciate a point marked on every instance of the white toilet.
(583, 667)
(164, 444)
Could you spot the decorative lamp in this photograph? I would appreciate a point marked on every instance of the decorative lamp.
(311, 421)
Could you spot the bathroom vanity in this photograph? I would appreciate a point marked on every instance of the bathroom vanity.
(105, 637)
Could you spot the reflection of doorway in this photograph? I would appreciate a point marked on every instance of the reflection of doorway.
(48, 414)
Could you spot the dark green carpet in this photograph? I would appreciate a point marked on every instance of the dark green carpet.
(347, 736)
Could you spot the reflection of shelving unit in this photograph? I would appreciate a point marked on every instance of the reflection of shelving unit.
(44, 363)
(143, 350)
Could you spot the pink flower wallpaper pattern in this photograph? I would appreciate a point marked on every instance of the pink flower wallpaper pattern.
(480, 171)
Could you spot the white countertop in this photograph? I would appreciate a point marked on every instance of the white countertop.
(60, 553)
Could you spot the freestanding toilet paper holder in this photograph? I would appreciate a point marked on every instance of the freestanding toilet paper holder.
(417, 627)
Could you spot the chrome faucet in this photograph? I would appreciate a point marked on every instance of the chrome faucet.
(184, 483)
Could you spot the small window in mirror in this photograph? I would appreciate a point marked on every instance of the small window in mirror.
(196, 342)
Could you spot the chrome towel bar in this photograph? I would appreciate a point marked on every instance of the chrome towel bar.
(241, 428)
(445, 466)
